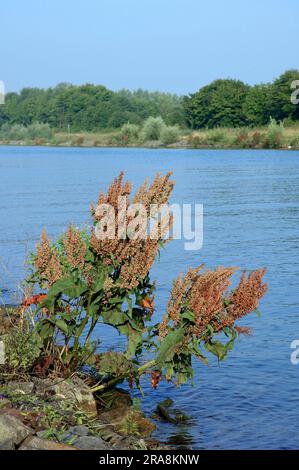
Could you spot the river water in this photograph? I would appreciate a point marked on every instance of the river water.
(251, 219)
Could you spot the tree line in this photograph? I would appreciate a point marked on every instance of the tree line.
(222, 103)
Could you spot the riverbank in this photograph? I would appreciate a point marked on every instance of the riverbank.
(219, 138)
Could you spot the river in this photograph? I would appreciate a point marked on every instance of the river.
(251, 219)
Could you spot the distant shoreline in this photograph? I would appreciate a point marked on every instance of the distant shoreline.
(146, 147)
(273, 136)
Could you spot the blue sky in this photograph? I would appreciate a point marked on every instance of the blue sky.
(167, 45)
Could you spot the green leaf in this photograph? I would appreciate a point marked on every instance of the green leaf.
(69, 287)
(188, 315)
(61, 325)
(168, 346)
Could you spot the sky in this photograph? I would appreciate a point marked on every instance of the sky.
(167, 45)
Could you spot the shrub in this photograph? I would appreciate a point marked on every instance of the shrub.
(170, 134)
(195, 141)
(86, 280)
(15, 132)
(152, 128)
(78, 141)
(294, 142)
(39, 131)
(275, 134)
(256, 139)
(242, 139)
(129, 133)
(216, 136)
(22, 347)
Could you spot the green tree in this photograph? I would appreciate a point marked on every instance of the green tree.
(281, 105)
(257, 106)
(217, 104)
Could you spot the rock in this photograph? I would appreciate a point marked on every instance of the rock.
(79, 431)
(13, 429)
(37, 443)
(4, 402)
(74, 391)
(73, 433)
(2, 353)
(12, 412)
(91, 443)
(118, 417)
(131, 443)
(7, 444)
(167, 413)
(25, 388)
(120, 398)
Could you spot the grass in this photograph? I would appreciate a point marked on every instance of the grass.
(219, 138)
(244, 137)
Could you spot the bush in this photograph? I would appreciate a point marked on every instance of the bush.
(87, 280)
(129, 133)
(216, 136)
(22, 133)
(22, 348)
(256, 139)
(15, 132)
(39, 131)
(170, 134)
(78, 141)
(275, 134)
(152, 128)
(242, 139)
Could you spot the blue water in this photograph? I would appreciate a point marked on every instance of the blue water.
(251, 215)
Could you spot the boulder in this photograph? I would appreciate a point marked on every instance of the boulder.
(37, 443)
(74, 391)
(13, 429)
(25, 388)
(118, 417)
(7, 444)
(2, 353)
(91, 443)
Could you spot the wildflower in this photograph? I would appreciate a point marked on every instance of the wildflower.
(75, 248)
(47, 261)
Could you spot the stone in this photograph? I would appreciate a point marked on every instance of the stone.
(121, 398)
(91, 443)
(25, 388)
(117, 419)
(2, 353)
(4, 402)
(37, 443)
(13, 429)
(131, 443)
(79, 431)
(7, 444)
(74, 391)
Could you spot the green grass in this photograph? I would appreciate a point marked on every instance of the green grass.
(219, 138)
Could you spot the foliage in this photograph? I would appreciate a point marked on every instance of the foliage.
(22, 133)
(170, 135)
(217, 104)
(82, 280)
(88, 107)
(231, 103)
(275, 134)
(22, 347)
(129, 133)
(153, 128)
(257, 106)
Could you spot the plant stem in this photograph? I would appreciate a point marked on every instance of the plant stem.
(141, 370)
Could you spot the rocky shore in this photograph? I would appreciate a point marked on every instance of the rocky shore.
(56, 414)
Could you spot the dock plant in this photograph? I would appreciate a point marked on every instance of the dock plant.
(81, 281)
